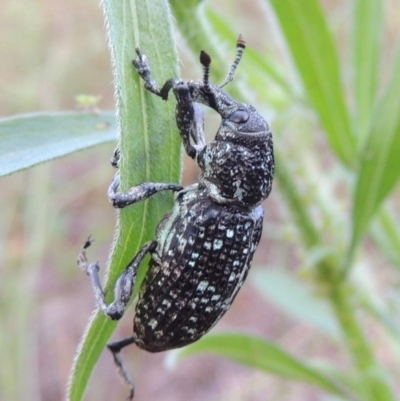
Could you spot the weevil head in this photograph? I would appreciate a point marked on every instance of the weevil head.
(237, 119)
(243, 125)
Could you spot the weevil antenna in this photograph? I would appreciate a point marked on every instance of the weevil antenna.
(205, 61)
(240, 46)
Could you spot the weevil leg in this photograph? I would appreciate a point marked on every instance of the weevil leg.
(115, 348)
(124, 285)
(190, 120)
(189, 116)
(138, 192)
(115, 158)
(141, 64)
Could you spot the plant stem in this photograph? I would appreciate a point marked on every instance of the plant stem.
(374, 385)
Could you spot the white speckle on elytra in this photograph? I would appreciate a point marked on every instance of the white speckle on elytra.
(166, 303)
(201, 287)
(230, 233)
(152, 323)
(217, 244)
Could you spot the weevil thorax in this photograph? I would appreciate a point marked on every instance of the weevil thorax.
(238, 166)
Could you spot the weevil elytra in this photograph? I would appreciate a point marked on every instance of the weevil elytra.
(204, 246)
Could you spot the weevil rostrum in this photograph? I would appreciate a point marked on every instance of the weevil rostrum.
(203, 247)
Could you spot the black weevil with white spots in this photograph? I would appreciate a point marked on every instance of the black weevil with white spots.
(204, 246)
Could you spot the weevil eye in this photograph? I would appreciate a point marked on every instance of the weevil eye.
(239, 116)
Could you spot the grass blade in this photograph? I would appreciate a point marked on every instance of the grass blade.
(386, 234)
(367, 32)
(310, 42)
(379, 168)
(274, 285)
(264, 355)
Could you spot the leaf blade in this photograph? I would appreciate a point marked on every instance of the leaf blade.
(310, 42)
(367, 32)
(263, 355)
(30, 139)
(379, 169)
(150, 151)
(275, 285)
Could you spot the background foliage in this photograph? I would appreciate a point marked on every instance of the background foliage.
(321, 303)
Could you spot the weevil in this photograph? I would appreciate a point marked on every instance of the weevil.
(204, 245)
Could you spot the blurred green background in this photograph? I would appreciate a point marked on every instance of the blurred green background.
(53, 51)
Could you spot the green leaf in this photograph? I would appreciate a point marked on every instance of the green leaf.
(150, 150)
(386, 233)
(379, 168)
(264, 355)
(293, 297)
(367, 32)
(29, 139)
(310, 42)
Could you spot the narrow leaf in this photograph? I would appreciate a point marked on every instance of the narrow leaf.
(294, 298)
(310, 42)
(379, 168)
(367, 32)
(264, 355)
(386, 233)
(150, 150)
(29, 139)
